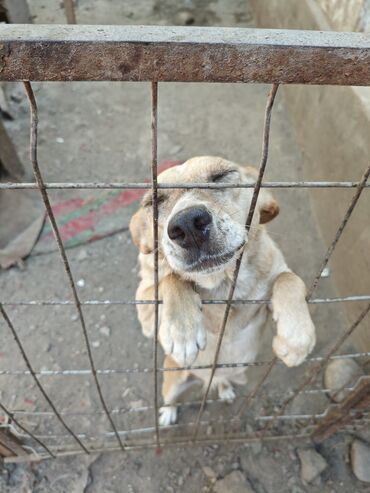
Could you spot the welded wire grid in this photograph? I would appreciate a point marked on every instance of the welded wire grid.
(302, 425)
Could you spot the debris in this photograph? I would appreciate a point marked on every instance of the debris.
(60, 140)
(82, 255)
(185, 18)
(234, 482)
(95, 344)
(137, 404)
(360, 460)
(21, 246)
(312, 464)
(81, 283)
(341, 373)
(4, 107)
(125, 392)
(209, 472)
(105, 331)
(325, 272)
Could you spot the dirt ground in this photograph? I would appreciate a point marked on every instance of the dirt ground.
(101, 132)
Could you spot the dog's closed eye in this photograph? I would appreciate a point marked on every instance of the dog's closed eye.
(223, 175)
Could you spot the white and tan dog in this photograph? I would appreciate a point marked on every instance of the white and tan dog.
(201, 234)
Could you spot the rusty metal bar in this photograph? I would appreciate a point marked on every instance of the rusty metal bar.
(257, 187)
(345, 412)
(25, 430)
(174, 443)
(36, 380)
(340, 230)
(188, 54)
(69, 8)
(10, 445)
(154, 128)
(67, 268)
(178, 186)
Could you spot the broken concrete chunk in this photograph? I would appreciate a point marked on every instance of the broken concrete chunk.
(360, 460)
(341, 373)
(234, 482)
(312, 464)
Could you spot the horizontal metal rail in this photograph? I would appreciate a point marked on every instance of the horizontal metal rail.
(150, 445)
(177, 186)
(111, 371)
(313, 301)
(182, 404)
(188, 54)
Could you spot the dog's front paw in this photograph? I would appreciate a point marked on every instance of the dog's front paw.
(167, 415)
(183, 338)
(295, 339)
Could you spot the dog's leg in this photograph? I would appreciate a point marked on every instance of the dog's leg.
(226, 391)
(295, 337)
(174, 384)
(181, 331)
(145, 312)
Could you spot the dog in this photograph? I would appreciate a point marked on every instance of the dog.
(201, 234)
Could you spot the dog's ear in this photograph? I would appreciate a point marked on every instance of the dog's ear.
(141, 231)
(268, 207)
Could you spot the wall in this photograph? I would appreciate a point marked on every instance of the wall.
(332, 125)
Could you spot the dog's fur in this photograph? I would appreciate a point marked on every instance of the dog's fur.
(184, 279)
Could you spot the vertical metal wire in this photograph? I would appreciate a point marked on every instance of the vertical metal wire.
(58, 239)
(36, 380)
(257, 187)
(69, 8)
(154, 164)
(29, 433)
(352, 205)
(250, 397)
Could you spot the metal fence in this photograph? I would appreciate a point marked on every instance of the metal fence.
(156, 54)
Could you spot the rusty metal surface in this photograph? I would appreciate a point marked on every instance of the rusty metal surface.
(351, 408)
(142, 53)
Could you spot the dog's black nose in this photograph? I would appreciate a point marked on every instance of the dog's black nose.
(191, 227)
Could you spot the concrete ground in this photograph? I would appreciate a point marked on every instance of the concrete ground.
(101, 131)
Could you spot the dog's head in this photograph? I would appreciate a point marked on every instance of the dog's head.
(201, 230)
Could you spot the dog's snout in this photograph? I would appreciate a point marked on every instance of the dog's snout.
(190, 227)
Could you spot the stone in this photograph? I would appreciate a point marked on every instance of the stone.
(234, 482)
(360, 460)
(209, 472)
(105, 331)
(185, 17)
(82, 255)
(312, 464)
(137, 404)
(341, 373)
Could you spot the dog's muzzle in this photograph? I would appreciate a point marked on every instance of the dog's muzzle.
(195, 234)
(190, 228)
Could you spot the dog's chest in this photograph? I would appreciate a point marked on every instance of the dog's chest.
(248, 287)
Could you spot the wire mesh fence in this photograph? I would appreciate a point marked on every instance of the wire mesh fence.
(238, 50)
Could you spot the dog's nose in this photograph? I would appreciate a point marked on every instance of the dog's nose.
(190, 227)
